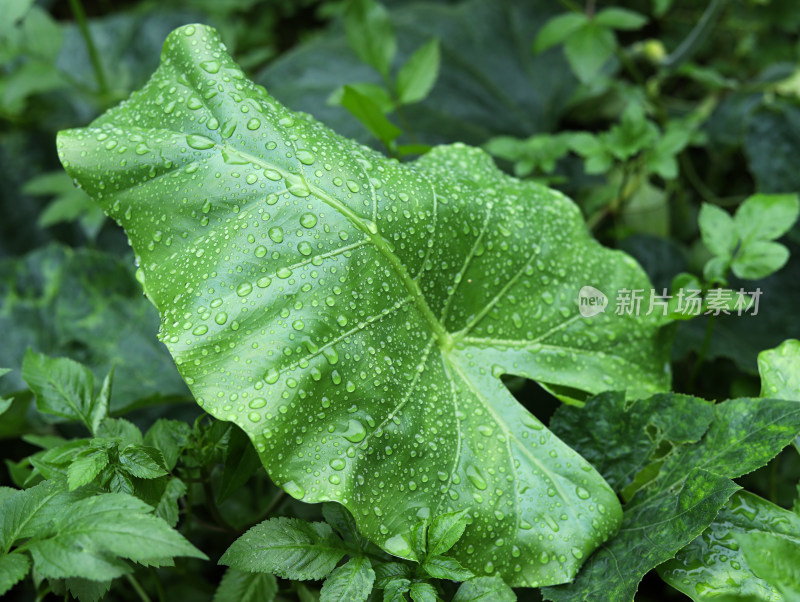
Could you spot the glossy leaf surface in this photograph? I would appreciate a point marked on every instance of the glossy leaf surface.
(353, 314)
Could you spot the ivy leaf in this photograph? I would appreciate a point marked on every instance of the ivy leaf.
(359, 319)
(445, 531)
(485, 589)
(715, 565)
(13, 569)
(442, 567)
(777, 367)
(351, 582)
(676, 504)
(63, 388)
(289, 547)
(241, 586)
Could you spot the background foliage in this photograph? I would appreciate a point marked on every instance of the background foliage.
(660, 118)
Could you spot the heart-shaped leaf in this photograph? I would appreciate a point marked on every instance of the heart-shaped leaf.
(354, 314)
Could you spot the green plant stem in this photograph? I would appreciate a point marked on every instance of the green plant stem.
(694, 179)
(274, 503)
(137, 587)
(696, 37)
(83, 25)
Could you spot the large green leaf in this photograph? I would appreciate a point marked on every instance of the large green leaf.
(354, 315)
(714, 564)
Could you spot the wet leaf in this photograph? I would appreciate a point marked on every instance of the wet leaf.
(354, 315)
(714, 564)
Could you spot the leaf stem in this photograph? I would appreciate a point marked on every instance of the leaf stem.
(83, 25)
(137, 587)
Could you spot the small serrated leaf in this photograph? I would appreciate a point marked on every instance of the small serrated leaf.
(442, 567)
(86, 467)
(142, 461)
(289, 547)
(351, 582)
(445, 531)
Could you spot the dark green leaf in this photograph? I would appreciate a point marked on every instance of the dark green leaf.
(351, 582)
(770, 128)
(485, 589)
(673, 507)
(442, 567)
(416, 78)
(289, 547)
(462, 311)
(370, 33)
(241, 586)
(714, 564)
(82, 303)
(621, 437)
